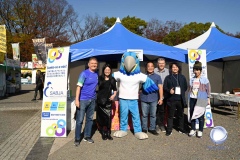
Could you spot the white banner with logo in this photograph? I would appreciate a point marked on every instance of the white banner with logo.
(54, 106)
(200, 55)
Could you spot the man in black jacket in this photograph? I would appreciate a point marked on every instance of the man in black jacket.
(175, 86)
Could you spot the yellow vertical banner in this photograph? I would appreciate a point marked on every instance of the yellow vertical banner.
(3, 47)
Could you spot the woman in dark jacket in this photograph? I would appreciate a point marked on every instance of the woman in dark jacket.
(39, 85)
(175, 86)
(107, 84)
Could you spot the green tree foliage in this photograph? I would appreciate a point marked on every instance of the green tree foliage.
(186, 33)
(134, 24)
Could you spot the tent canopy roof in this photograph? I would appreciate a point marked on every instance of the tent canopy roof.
(117, 40)
(217, 44)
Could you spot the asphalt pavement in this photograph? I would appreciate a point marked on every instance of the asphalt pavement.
(20, 121)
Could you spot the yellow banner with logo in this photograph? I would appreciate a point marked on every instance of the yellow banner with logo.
(3, 47)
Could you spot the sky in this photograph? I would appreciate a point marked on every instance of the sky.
(224, 13)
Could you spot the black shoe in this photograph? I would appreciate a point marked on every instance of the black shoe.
(34, 99)
(168, 133)
(104, 135)
(162, 128)
(154, 132)
(77, 142)
(88, 139)
(182, 131)
(145, 131)
(109, 135)
(39, 99)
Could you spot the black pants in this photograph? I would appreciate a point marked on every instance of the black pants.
(172, 106)
(39, 87)
(192, 104)
(104, 116)
(160, 115)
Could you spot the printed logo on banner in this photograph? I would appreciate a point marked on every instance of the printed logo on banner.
(50, 92)
(55, 54)
(58, 129)
(194, 55)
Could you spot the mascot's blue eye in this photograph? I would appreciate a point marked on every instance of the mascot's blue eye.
(123, 56)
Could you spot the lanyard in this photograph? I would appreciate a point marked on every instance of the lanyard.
(176, 79)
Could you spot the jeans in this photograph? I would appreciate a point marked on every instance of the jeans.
(172, 106)
(160, 115)
(127, 105)
(149, 107)
(88, 107)
(192, 104)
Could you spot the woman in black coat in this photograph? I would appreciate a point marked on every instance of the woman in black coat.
(106, 93)
(175, 86)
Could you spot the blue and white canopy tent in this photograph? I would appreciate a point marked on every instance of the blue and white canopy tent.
(217, 44)
(223, 53)
(116, 40)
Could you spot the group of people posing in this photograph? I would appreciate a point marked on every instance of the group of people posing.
(169, 98)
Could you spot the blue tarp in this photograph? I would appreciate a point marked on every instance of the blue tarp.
(117, 40)
(219, 45)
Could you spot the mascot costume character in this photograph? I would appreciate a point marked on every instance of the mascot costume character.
(129, 77)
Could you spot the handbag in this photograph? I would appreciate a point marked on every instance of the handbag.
(102, 101)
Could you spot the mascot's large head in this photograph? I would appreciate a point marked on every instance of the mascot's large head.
(130, 64)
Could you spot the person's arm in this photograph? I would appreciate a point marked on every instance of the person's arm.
(77, 101)
(208, 91)
(114, 88)
(160, 101)
(80, 83)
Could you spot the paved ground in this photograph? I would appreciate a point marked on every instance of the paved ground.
(20, 130)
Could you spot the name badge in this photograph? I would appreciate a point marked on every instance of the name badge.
(177, 90)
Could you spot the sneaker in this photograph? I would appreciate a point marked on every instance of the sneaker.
(145, 131)
(88, 139)
(39, 99)
(168, 133)
(34, 99)
(77, 142)
(162, 128)
(192, 133)
(199, 134)
(154, 132)
(182, 131)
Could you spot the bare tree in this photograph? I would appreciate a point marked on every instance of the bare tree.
(156, 30)
(27, 19)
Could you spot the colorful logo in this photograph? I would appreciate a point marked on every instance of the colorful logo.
(194, 55)
(55, 54)
(57, 129)
(218, 135)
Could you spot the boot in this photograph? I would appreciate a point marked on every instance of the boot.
(35, 95)
(109, 135)
(104, 135)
